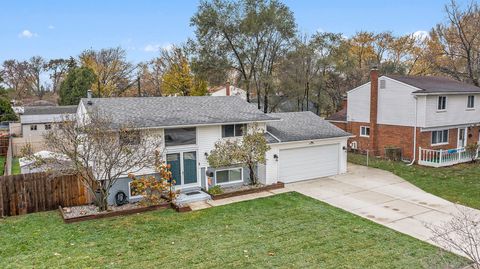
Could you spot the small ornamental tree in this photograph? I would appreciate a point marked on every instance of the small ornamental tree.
(248, 151)
(155, 189)
(100, 152)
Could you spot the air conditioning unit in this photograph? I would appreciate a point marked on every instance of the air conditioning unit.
(353, 145)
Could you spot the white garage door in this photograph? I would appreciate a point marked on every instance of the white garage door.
(308, 162)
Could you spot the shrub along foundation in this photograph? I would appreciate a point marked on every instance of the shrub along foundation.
(274, 186)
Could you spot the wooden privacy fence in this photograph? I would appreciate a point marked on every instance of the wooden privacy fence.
(36, 192)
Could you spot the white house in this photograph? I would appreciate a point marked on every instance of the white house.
(430, 119)
(303, 146)
(35, 122)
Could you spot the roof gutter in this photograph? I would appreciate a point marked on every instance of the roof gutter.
(442, 93)
(313, 140)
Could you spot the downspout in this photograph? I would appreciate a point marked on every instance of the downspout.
(414, 134)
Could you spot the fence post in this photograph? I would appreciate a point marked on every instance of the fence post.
(367, 156)
(419, 154)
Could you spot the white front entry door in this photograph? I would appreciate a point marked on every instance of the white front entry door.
(462, 137)
(308, 162)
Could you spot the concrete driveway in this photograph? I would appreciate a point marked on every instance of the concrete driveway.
(382, 197)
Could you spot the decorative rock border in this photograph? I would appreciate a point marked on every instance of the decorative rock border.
(274, 186)
(102, 215)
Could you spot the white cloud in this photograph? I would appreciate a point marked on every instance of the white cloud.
(157, 47)
(51, 27)
(420, 34)
(27, 34)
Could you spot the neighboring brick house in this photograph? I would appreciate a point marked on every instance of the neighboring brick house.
(431, 119)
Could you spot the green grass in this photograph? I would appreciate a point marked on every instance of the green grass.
(283, 231)
(15, 167)
(458, 184)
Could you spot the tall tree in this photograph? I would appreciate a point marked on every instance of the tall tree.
(14, 73)
(35, 68)
(58, 69)
(240, 30)
(75, 86)
(114, 74)
(459, 40)
(178, 78)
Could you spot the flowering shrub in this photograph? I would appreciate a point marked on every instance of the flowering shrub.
(155, 190)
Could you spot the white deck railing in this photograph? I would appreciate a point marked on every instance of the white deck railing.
(443, 157)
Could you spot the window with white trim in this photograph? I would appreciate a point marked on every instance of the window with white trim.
(471, 101)
(230, 175)
(364, 131)
(440, 137)
(442, 103)
(33, 127)
(233, 130)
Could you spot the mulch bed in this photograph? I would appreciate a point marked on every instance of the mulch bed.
(247, 190)
(89, 212)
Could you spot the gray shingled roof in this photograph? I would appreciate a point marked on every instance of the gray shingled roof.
(429, 84)
(297, 126)
(45, 110)
(145, 112)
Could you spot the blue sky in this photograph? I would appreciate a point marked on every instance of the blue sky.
(54, 28)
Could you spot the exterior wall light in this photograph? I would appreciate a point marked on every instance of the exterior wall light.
(275, 156)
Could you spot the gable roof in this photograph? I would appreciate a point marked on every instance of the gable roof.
(431, 84)
(152, 112)
(340, 115)
(46, 110)
(298, 126)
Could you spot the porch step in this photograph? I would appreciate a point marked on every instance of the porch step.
(192, 195)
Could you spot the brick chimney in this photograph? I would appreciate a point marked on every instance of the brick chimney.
(373, 110)
(227, 88)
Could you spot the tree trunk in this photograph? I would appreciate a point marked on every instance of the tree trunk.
(253, 177)
(265, 102)
(101, 200)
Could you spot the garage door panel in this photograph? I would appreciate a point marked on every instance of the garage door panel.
(308, 162)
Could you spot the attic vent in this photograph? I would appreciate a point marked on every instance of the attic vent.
(383, 84)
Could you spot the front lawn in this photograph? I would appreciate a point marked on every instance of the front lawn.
(15, 167)
(458, 184)
(287, 231)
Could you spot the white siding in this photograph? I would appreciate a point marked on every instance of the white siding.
(358, 105)
(396, 104)
(456, 112)
(207, 136)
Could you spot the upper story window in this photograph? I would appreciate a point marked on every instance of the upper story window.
(442, 103)
(48, 126)
(364, 131)
(471, 101)
(440, 137)
(180, 136)
(33, 127)
(130, 137)
(233, 130)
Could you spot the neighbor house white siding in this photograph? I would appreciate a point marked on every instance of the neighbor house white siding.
(396, 104)
(358, 103)
(456, 112)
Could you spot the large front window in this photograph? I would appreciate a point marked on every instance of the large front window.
(440, 137)
(233, 130)
(228, 176)
(180, 136)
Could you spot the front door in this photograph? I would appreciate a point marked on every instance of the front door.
(183, 166)
(462, 138)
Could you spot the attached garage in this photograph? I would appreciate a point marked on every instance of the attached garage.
(303, 146)
(308, 162)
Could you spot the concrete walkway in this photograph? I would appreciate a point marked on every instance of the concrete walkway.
(384, 198)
